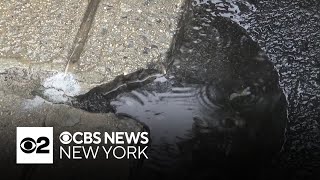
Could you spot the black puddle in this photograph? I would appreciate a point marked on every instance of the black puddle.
(218, 112)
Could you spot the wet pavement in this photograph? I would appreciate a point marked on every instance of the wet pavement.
(208, 49)
(288, 31)
(220, 97)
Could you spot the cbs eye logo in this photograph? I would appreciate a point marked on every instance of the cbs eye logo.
(28, 145)
(65, 137)
(34, 145)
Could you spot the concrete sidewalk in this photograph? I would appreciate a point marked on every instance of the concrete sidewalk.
(37, 39)
(125, 35)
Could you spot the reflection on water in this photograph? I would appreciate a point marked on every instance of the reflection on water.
(187, 123)
(171, 112)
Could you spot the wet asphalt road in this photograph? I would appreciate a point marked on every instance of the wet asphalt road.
(215, 75)
(289, 32)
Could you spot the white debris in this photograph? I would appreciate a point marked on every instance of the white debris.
(60, 87)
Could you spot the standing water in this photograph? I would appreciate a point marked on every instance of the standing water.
(218, 112)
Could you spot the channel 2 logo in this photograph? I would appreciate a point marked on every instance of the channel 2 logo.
(34, 145)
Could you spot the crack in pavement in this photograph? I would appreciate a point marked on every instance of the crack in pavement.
(82, 34)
